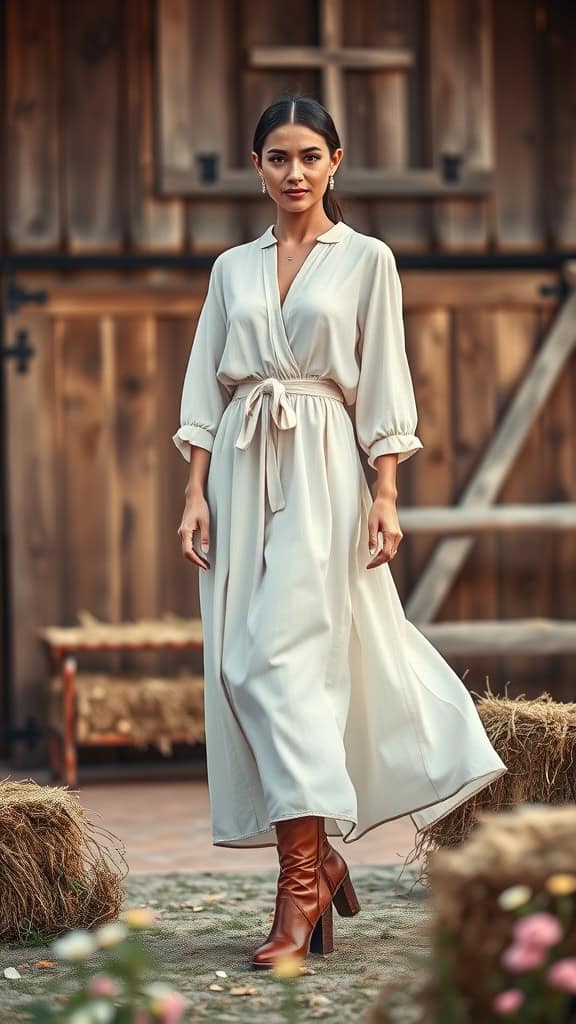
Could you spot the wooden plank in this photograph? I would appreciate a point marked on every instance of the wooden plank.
(524, 589)
(358, 57)
(557, 553)
(172, 86)
(530, 637)
(560, 175)
(91, 534)
(518, 125)
(553, 517)
(135, 454)
(475, 592)
(460, 87)
(153, 224)
(178, 582)
(479, 288)
(34, 528)
(422, 290)
(91, 125)
(332, 79)
(498, 458)
(32, 126)
(193, 41)
(379, 112)
(88, 295)
(431, 361)
(401, 566)
(178, 591)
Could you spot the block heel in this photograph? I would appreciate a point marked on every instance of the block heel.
(345, 899)
(322, 938)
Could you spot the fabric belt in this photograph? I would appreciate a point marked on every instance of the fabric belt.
(267, 400)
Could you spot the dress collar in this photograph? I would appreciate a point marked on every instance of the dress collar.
(333, 234)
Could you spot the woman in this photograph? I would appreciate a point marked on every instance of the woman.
(326, 711)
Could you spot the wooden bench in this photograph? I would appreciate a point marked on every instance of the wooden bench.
(64, 644)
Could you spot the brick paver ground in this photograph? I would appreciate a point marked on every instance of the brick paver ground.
(165, 826)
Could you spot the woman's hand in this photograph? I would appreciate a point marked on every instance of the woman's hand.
(196, 516)
(383, 518)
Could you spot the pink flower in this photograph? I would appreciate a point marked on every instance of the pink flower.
(542, 930)
(168, 1006)
(562, 974)
(521, 957)
(102, 985)
(508, 1002)
(173, 1009)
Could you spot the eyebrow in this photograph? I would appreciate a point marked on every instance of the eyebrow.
(307, 149)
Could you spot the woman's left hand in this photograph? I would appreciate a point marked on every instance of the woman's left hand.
(383, 518)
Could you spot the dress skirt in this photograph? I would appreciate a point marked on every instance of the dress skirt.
(320, 697)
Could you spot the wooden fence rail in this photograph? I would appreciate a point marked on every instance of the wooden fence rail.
(441, 519)
(520, 636)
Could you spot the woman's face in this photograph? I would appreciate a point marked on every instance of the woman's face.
(296, 165)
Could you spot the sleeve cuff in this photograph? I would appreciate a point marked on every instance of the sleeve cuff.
(192, 434)
(404, 445)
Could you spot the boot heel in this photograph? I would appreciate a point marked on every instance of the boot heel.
(322, 938)
(345, 899)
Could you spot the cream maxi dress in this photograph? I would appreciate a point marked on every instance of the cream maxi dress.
(320, 696)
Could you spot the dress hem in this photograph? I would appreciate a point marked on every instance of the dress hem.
(233, 841)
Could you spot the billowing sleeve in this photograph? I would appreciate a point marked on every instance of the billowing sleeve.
(204, 398)
(386, 414)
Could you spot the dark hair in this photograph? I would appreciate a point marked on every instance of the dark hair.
(301, 110)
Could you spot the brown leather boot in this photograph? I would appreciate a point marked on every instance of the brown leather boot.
(312, 876)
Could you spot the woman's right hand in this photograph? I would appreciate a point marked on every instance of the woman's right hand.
(196, 516)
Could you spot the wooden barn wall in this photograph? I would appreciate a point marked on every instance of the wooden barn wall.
(96, 485)
(82, 118)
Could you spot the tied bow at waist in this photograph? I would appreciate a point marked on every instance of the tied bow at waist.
(267, 401)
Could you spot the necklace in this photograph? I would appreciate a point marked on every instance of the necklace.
(307, 243)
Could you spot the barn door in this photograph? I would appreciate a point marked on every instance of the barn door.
(95, 485)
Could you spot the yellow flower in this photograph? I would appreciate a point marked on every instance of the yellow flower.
(514, 897)
(287, 966)
(561, 884)
(138, 917)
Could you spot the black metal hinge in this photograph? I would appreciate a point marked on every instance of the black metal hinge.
(21, 351)
(16, 297)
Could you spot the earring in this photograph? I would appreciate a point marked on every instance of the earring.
(263, 184)
(331, 181)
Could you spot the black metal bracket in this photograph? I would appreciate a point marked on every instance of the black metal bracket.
(16, 296)
(559, 290)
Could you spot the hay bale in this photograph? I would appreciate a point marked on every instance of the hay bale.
(55, 873)
(469, 928)
(150, 711)
(536, 739)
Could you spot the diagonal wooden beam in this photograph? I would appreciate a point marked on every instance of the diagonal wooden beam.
(449, 555)
(520, 636)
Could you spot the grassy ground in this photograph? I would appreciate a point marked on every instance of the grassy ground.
(386, 940)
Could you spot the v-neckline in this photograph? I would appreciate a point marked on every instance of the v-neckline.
(282, 301)
(277, 327)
